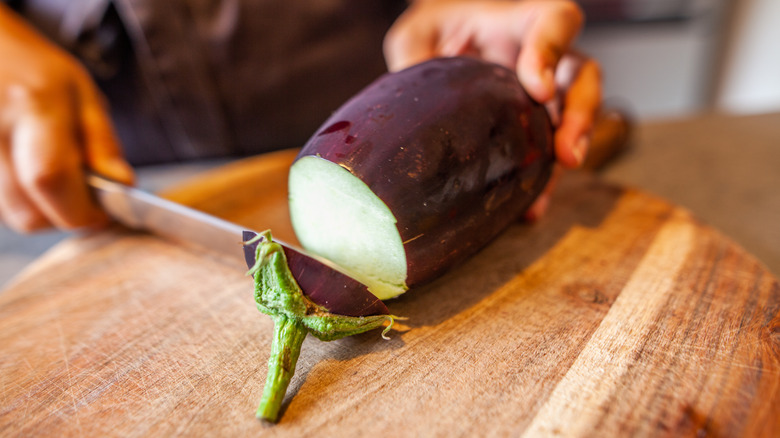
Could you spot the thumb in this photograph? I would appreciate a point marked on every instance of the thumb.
(102, 150)
(408, 42)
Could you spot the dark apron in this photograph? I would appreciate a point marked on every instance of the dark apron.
(207, 78)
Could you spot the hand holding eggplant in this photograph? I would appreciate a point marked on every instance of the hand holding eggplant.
(532, 37)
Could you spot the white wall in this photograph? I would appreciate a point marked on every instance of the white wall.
(751, 73)
(657, 70)
(726, 57)
(662, 69)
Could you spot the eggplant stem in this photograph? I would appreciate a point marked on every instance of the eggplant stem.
(389, 327)
(265, 235)
(285, 349)
(278, 295)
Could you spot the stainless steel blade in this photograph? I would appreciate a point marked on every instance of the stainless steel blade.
(322, 281)
(143, 211)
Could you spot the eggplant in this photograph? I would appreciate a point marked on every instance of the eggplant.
(419, 171)
(407, 179)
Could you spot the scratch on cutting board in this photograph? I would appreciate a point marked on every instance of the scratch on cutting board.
(167, 363)
(70, 388)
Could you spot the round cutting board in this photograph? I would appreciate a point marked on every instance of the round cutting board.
(616, 314)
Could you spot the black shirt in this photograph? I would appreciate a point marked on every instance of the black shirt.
(199, 79)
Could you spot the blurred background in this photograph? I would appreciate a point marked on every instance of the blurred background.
(701, 79)
(671, 58)
(696, 77)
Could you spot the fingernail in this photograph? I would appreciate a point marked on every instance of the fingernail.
(579, 149)
(548, 78)
(118, 170)
(547, 83)
(541, 85)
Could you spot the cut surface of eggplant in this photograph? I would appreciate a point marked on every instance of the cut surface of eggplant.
(348, 223)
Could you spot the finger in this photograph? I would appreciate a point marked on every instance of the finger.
(409, 42)
(549, 35)
(16, 210)
(49, 167)
(102, 151)
(492, 31)
(456, 43)
(542, 202)
(581, 104)
(501, 51)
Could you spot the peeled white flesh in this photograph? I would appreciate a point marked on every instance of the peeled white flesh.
(336, 215)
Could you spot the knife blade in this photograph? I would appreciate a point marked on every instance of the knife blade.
(324, 282)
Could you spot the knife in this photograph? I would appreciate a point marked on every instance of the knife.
(321, 280)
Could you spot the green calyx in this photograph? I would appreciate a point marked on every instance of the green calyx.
(278, 295)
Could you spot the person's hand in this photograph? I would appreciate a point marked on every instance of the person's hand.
(53, 128)
(533, 37)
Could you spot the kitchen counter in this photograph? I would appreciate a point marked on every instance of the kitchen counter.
(725, 169)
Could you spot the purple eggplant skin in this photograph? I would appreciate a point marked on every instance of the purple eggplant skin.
(455, 148)
(353, 300)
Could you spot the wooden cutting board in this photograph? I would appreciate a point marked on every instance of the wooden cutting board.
(618, 314)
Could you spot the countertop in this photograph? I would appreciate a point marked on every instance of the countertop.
(725, 169)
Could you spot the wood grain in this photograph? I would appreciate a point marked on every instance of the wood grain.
(619, 314)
